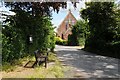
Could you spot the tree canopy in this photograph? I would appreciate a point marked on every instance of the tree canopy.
(32, 20)
(103, 24)
(79, 33)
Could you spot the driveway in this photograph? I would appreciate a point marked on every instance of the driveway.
(87, 65)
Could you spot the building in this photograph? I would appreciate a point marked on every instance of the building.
(64, 29)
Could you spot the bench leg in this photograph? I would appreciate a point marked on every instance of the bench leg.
(34, 64)
(39, 63)
(45, 62)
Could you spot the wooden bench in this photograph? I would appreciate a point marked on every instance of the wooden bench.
(40, 58)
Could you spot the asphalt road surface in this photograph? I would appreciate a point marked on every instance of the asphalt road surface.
(87, 65)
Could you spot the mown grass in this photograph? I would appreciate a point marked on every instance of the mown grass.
(12, 66)
(55, 70)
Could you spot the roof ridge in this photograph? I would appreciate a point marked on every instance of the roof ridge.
(66, 17)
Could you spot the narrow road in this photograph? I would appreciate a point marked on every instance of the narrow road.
(87, 65)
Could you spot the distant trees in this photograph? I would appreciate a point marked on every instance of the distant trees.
(79, 33)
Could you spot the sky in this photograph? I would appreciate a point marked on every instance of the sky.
(59, 17)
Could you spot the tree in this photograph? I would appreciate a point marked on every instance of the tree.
(101, 17)
(79, 33)
(31, 19)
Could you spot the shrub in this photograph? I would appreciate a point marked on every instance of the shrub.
(79, 33)
(64, 42)
(82, 41)
(59, 41)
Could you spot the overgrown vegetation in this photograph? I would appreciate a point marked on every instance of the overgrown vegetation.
(60, 41)
(18, 29)
(79, 33)
(99, 30)
(103, 21)
(32, 20)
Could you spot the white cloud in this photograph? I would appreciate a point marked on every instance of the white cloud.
(70, 6)
(79, 5)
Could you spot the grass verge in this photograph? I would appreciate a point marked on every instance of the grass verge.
(54, 69)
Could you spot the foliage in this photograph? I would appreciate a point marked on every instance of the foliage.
(16, 38)
(31, 19)
(79, 33)
(60, 41)
(52, 40)
(81, 41)
(12, 46)
(20, 27)
(102, 21)
(117, 10)
(39, 8)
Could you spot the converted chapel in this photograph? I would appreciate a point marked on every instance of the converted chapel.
(64, 29)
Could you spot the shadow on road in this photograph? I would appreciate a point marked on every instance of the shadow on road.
(95, 65)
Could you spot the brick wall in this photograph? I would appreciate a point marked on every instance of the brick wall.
(62, 31)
